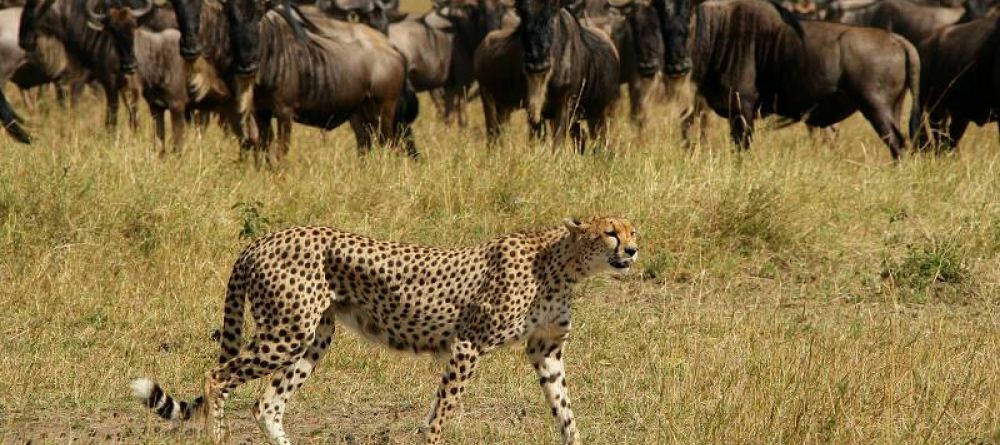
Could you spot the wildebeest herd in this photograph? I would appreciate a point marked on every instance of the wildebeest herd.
(246, 63)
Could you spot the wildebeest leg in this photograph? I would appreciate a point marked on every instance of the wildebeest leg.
(579, 139)
(29, 99)
(385, 121)
(440, 100)
(491, 114)
(742, 107)
(639, 91)
(454, 103)
(881, 119)
(177, 126)
(691, 116)
(598, 127)
(461, 103)
(955, 131)
(159, 129)
(277, 153)
(563, 122)
(362, 132)
(111, 118)
(261, 145)
(60, 94)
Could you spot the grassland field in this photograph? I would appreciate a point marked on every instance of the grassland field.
(807, 292)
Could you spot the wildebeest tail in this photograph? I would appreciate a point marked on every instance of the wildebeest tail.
(912, 84)
(152, 395)
(407, 109)
(12, 122)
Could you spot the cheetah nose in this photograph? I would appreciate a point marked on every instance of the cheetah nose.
(631, 251)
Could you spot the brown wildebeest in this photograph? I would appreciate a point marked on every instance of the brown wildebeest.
(559, 69)
(66, 21)
(440, 45)
(47, 63)
(320, 72)
(960, 80)
(910, 20)
(291, 65)
(753, 56)
(635, 28)
(153, 56)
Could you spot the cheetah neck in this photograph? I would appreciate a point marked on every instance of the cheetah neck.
(566, 259)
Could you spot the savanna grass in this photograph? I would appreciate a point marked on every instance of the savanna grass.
(808, 291)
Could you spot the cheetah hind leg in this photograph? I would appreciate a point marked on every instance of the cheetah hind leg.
(270, 408)
(258, 358)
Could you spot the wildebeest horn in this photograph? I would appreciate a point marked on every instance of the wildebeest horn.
(95, 20)
(143, 10)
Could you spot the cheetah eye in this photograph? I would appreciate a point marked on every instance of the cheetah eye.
(611, 233)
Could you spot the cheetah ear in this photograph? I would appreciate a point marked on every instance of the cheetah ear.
(575, 226)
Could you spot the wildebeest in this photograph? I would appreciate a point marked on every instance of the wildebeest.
(960, 80)
(66, 21)
(559, 69)
(155, 56)
(753, 56)
(317, 71)
(910, 20)
(47, 63)
(635, 28)
(440, 45)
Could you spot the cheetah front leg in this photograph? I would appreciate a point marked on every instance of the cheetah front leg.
(546, 357)
(464, 357)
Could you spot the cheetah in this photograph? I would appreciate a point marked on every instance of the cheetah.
(459, 303)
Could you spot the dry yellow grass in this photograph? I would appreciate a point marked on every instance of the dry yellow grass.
(806, 292)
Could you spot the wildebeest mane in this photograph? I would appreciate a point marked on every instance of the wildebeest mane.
(298, 22)
(787, 16)
(727, 32)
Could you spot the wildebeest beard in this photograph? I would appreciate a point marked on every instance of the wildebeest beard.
(536, 32)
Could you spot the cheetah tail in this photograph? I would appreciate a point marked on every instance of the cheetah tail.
(167, 407)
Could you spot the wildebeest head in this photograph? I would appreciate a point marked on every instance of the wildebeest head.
(244, 18)
(188, 14)
(675, 26)
(374, 13)
(644, 25)
(119, 18)
(536, 32)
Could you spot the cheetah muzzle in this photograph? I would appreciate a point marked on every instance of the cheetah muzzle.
(459, 303)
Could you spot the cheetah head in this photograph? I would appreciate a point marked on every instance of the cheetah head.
(606, 243)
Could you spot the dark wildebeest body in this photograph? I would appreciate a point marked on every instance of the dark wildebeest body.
(321, 72)
(559, 69)
(960, 80)
(910, 20)
(439, 47)
(154, 56)
(753, 57)
(66, 21)
(635, 29)
(286, 64)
